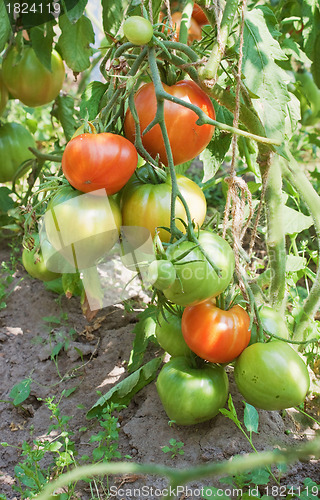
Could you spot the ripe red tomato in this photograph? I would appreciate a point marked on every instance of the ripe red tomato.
(194, 31)
(213, 334)
(148, 205)
(99, 161)
(199, 15)
(28, 80)
(187, 139)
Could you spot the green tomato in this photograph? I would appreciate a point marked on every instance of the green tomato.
(192, 395)
(4, 95)
(34, 263)
(273, 322)
(15, 142)
(82, 227)
(271, 376)
(169, 335)
(28, 80)
(138, 30)
(196, 279)
(161, 274)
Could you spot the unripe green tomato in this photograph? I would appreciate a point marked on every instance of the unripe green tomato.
(169, 334)
(161, 274)
(34, 263)
(138, 30)
(4, 96)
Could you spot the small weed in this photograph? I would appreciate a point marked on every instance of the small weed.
(175, 448)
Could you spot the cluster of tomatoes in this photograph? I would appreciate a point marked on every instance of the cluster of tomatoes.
(106, 190)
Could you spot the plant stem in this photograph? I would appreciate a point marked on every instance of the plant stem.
(295, 175)
(276, 237)
(238, 465)
(210, 70)
(185, 22)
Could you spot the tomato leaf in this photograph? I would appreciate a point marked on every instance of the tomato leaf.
(263, 76)
(214, 154)
(76, 12)
(90, 100)
(42, 39)
(251, 418)
(260, 476)
(144, 331)
(74, 42)
(311, 23)
(295, 263)
(113, 14)
(5, 27)
(64, 112)
(295, 222)
(123, 392)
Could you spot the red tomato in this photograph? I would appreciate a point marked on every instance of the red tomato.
(187, 139)
(199, 15)
(194, 31)
(99, 161)
(213, 334)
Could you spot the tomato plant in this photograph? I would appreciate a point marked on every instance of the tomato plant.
(82, 227)
(169, 334)
(34, 262)
(194, 31)
(28, 80)
(138, 30)
(187, 139)
(99, 161)
(3, 94)
(15, 142)
(213, 334)
(196, 279)
(272, 376)
(273, 322)
(148, 205)
(191, 394)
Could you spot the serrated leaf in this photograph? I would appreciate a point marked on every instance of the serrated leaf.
(311, 21)
(251, 418)
(295, 263)
(123, 392)
(263, 76)
(5, 26)
(90, 100)
(292, 49)
(260, 476)
(74, 42)
(42, 38)
(144, 330)
(64, 112)
(219, 145)
(295, 222)
(113, 14)
(20, 391)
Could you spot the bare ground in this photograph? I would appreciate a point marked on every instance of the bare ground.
(105, 344)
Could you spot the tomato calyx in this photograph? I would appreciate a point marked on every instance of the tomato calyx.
(150, 174)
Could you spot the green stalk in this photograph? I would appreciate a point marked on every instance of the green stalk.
(276, 237)
(295, 176)
(185, 21)
(176, 476)
(210, 70)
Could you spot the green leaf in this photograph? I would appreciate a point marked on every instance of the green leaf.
(251, 418)
(219, 145)
(65, 113)
(5, 27)
(55, 446)
(263, 76)
(260, 476)
(20, 391)
(182, 168)
(144, 331)
(295, 263)
(76, 12)
(90, 100)
(42, 38)
(6, 202)
(124, 391)
(293, 115)
(292, 49)
(311, 22)
(295, 222)
(74, 42)
(113, 14)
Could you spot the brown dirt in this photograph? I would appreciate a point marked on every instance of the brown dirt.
(25, 351)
